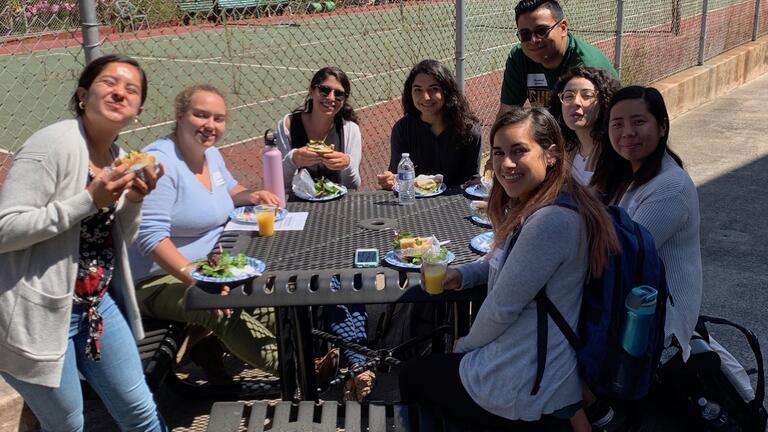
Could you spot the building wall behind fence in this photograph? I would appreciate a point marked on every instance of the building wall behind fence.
(263, 53)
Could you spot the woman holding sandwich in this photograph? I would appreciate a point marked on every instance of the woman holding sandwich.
(491, 377)
(438, 130)
(67, 216)
(323, 136)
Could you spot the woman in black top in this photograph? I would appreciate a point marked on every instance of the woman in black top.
(439, 130)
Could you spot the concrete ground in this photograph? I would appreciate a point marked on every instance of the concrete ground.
(724, 145)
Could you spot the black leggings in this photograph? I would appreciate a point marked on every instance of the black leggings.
(434, 380)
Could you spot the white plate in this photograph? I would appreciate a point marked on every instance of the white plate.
(442, 188)
(248, 216)
(482, 242)
(392, 259)
(257, 266)
(477, 190)
(481, 221)
(342, 191)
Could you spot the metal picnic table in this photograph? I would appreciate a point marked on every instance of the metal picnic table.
(301, 264)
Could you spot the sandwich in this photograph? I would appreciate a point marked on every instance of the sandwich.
(134, 159)
(480, 209)
(411, 248)
(320, 146)
(427, 183)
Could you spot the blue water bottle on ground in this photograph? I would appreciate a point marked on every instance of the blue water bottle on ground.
(639, 309)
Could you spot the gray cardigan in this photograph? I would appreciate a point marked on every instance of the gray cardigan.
(42, 204)
(499, 367)
(353, 144)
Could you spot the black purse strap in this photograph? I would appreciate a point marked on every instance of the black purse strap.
(757, 402)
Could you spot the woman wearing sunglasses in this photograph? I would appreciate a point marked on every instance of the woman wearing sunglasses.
(439, 130)
(326, 117)
(580, 105)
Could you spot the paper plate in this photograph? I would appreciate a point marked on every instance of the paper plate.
(482, 242)
(256, 267)
(342, 191)
(392, 259)
(477, 191)
(481, 221)
(247, 215)
(442, 188)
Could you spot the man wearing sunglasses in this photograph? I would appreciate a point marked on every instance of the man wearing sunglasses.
(546, 51)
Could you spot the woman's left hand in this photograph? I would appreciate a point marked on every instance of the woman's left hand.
(142, 188)
(335, 161)
(264, 197)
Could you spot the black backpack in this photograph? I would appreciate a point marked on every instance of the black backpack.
(680, 384)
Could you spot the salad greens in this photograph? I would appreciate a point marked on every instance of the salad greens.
(221, 264)
(325, 187)
(416, 259)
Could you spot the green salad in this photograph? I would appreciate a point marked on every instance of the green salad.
(417, 247)
(220, 265)
(325, 187)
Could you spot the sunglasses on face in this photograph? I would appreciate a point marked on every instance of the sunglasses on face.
(526, 35)
(339, 95)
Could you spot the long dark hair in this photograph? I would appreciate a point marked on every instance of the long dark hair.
(94, 68)
(613, 173)
(507, 214)
(605, 87)
(346, 112)
(456, 111)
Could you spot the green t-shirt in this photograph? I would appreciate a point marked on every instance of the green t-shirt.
(526, 79)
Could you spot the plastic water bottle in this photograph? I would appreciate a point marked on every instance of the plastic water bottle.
(716, 416)
(639, 309)
(405, 177)
(273, 167)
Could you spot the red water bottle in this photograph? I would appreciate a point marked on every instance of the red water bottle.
(273, 167)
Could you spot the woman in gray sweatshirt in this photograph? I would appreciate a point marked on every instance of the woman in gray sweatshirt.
(489, 377)
(67, 304)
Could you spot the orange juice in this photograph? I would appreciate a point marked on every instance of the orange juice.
(433, 277)
(266, 221)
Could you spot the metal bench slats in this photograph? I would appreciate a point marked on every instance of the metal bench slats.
(226, 416)
(258, 417)
(352, 417)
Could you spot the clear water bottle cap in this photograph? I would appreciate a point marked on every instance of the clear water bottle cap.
(269, 137)
(405, 155)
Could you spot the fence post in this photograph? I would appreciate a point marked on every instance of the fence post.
(460, 24)
(756, 24)
(703, 35)
(619, 33)
(90, 28)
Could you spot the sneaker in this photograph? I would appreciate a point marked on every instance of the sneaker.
(604, 418)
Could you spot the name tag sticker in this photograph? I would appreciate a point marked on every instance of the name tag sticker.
(218, 179)
(537, 80)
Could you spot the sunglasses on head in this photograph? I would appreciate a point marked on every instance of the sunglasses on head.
(526, 35)
(337, 94)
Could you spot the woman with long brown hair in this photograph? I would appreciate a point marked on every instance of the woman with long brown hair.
(490, 376)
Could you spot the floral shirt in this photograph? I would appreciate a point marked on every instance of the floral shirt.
(95, 265)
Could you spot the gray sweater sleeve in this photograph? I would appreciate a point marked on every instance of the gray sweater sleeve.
(546, 240)
(353, 145)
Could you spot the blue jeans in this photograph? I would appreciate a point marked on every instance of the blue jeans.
(118, 379)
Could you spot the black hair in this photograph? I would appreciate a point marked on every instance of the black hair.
(605, 87)
(346, 112)
(613, 173)
(456, 111)
(526, 6)
(94, 68)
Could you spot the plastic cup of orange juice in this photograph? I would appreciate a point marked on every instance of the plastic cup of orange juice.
(433, 268)
(265, 217)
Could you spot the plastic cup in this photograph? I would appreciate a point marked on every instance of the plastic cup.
(434, 273)
(265, 217)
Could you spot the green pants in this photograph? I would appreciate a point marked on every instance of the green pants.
(248, 334)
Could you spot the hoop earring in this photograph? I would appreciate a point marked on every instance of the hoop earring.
(81, 105)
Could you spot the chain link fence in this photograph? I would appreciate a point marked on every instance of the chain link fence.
(263, 53)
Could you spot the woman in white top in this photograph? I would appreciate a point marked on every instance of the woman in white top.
(640, 173)
(580, 105)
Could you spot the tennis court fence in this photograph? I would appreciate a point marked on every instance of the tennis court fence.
(262, 53)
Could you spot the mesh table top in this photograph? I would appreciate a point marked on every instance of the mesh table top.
(326, 247)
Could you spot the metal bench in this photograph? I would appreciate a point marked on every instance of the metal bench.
(195, 6)
(328, 416)
(158, 349)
